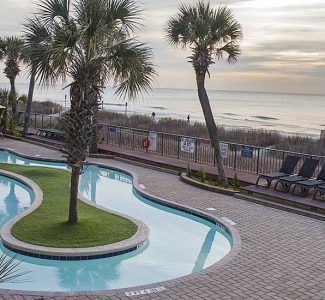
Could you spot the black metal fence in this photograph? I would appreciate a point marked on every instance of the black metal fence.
(247, 158)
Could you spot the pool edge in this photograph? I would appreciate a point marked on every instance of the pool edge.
(53, 253)
(236, 246)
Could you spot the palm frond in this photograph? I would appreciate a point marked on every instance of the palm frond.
(9, 271)
(123, 13)
(50, 10)
(131, 66)
(202, 27)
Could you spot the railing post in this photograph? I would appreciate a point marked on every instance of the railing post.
(50, 120)
(120, 138)
(107, 134)
(35, 121)
(235, 159)
(258, 161)
(178, 146)
(162, 144)
(42, 121)
(196, 150)
(133, 139)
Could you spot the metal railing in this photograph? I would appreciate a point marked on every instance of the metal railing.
(242, 157)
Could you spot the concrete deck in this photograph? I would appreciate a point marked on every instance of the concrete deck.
(282, 255)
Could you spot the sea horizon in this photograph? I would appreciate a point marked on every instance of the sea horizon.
(289, 113)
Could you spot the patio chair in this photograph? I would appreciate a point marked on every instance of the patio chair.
(286, 169)
(306, 185)
(306, 172)
(319, 189)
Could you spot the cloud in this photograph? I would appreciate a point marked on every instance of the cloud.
(283, 47)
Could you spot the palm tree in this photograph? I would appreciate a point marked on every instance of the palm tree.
(4, 100)
(35, 35)
(10, 271)
(88, 41)
(210, 33)
(11, 50)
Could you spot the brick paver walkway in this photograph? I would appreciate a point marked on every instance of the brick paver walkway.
(282, 255)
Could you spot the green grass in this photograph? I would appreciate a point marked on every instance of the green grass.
(47, 225)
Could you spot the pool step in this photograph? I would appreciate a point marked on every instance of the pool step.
(282, 206)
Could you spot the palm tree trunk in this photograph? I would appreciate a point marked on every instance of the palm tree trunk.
(73, 212)
(93, 142)
(12, 98)
(29, 102)
(212, 127)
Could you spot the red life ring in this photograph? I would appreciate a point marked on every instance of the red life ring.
(145, 143)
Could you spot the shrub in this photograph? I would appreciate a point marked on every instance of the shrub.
(189, 171)
(202, 175)
(235, 180)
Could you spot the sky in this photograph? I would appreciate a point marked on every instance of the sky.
(283, 47)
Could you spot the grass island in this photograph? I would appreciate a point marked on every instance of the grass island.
(48, 226)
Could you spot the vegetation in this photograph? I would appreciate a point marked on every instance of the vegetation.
(254, 137)
(43, 107)
(11, 50)
(9, 271)
(188, 171)
(202, 177)
(47, 226)
(208, 33)
(89, 41)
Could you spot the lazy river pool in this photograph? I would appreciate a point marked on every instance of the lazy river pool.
(179, 243)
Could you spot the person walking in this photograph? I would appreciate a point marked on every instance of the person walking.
(188, 118)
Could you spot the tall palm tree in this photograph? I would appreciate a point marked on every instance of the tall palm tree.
(11, 51)
(89, 41)
(209, 33)
(35, 35)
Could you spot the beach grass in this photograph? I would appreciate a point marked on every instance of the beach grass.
(47, 225)
(238, 135)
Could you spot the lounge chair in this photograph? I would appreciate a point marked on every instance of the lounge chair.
(286, 169)
(306, 185)
(306, 172)
(319, 189)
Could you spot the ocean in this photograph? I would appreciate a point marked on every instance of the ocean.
(288, 113)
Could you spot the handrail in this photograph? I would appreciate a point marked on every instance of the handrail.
(257, 159)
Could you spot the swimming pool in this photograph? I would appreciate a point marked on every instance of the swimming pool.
(179, 243)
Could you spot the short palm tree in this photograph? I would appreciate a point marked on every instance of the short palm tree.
(11, 51)
(90, 42)
(210, 33)
(4, 100)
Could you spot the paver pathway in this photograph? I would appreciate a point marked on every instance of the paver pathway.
(282, 255)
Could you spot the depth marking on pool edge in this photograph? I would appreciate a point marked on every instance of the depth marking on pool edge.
(229, 221)
(145, 291)
(211, 209)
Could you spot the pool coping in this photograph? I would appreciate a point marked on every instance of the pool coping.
(234, 233)
(54, 253)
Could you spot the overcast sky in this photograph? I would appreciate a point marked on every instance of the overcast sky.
(283, 49)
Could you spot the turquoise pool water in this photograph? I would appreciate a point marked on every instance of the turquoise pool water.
(179, 243)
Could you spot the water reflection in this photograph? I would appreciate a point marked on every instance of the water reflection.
(94, 276)
(205, 250)
(14, 198)
(88, 182)
(91, 177)
(11, 202)
(179, 243)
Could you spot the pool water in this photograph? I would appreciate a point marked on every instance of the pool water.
(179, 243)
